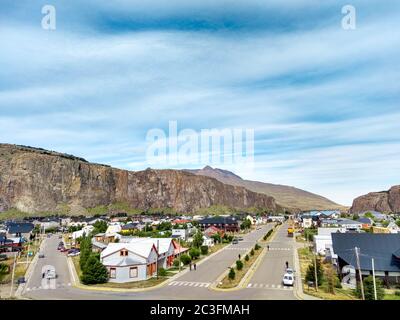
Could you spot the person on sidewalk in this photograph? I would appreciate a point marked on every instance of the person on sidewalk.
(190, 266)
(268, 247)
(195, 267)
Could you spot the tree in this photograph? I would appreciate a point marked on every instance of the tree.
(231, 274)
(194, 253)
(369, 289)
(356, 217)
(247, 258)
(185, 259)
(217, 238)
(86, 250)
(198, 239)
(94, 271)
(204, 250)
(257, 246)
(239, 265)
(3, 270)
(100, 226)
(252, 252)
(246, 224)
(310, 274)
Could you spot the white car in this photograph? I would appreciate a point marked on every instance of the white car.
(73, 254)
(288, 279)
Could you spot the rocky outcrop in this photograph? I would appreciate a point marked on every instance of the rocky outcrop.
(384, 201)
(36, 180)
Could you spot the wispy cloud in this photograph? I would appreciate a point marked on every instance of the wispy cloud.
(323, 101)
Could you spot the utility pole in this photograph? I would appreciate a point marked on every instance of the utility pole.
(373, 277)
(158, 241)
(315, 272)
(179, 241)
(359, 272)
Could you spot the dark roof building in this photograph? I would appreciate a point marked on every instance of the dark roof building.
(20, 228)
(224, 223)
(384, 248)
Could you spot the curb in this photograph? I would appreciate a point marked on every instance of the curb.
(245, 277)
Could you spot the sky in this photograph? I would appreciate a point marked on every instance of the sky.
(323, 101)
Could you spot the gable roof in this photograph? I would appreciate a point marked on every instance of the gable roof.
(141, 249)
(382, 247)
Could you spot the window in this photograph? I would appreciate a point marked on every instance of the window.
(133, 272)
(123, 253)
(113, 273)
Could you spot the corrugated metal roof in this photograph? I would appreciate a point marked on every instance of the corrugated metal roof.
(381, 247)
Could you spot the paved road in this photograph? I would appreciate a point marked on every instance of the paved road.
(267, 280)
(190, 285)
(52, 258)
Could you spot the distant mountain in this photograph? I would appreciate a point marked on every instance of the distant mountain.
(383, 201)
(285, 196)
(34, 180)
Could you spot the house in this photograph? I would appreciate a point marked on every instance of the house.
(129, 227)
(128, 262)
(366, 223)
(392, 227)
(207, 241)
(383, 248)
(210, 231)
(276, 218)
(225, 223)
(165, 248)
(323, 240)
(307, 222)
(347, 224)
(85, 231)
(182, 234)
(375, 214)
(98, 246)
(20, 230)
(48, 223)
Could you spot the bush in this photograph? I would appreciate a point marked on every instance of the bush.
(162, 272)
(310, 274)
(369, 289)
(204, 250)
(252, 252)
(257, 246)
(239, 265)
(185, 259)
(232, 274)
(94, 271)
(247, 258)
(176, 262)
(194, 253)
(397, 293)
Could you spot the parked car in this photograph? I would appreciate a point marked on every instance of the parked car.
(290, 271)
(3, 257)
(21, 280)
(73, 253)
(288, 279)
(41, 255)
(235, 241)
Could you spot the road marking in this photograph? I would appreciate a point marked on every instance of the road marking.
(268, 286)
(189, 284)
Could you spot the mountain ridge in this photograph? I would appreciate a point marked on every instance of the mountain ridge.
(288, 197)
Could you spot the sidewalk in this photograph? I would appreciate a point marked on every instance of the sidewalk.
(298, 290)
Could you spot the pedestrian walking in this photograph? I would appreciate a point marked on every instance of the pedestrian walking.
(239, 256)
(268, 247)
(195, 267)
(190, 266)
(287, 264)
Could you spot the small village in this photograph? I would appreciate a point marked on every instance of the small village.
(334, 250)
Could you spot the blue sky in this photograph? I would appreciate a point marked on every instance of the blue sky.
(323, 101)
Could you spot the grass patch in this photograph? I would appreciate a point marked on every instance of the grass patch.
(133, 285)
(391, 297)
(227, 283)
(306, 258)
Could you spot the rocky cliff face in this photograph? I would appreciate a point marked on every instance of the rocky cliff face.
(385, 201)
(36, 180)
